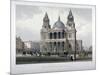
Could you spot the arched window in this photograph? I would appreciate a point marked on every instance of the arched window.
(54, 43)
(70, 46)
(55, 47)
(58, 45)
(50, 35)
(59, 35)
(50, 45)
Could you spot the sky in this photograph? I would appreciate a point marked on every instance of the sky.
(29, 21)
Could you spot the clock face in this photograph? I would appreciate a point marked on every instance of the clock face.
(70, 18)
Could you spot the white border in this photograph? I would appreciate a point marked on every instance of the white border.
(49, 67)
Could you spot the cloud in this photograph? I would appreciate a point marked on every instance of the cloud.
(29, 20)
(26, 11)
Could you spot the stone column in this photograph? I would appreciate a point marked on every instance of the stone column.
(61, 35)
(48, 46)
(60, 46)
(57, 46)
(52, 46)
(57, 35)
(48, 35)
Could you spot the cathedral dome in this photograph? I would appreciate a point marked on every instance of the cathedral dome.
(59, 24)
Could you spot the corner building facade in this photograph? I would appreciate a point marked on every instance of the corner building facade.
(60, 38)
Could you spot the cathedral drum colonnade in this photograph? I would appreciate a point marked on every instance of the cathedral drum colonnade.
(59, 38)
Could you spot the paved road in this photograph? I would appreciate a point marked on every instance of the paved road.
(46, 59)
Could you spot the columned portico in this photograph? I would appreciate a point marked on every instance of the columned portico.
(56, 35)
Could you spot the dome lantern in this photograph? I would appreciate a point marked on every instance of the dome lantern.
(59, 24)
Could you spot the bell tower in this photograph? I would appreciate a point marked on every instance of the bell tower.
(72, 32)
(71, 25)
(70, 21)
(46, 22)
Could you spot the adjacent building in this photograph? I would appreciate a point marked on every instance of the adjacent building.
(19, 45)
(33, 46)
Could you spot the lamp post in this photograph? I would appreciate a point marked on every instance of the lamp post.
(75, 46)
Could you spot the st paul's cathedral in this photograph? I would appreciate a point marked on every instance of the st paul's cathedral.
(61, 37)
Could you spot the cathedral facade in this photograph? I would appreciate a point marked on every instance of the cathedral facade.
(61, 37)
